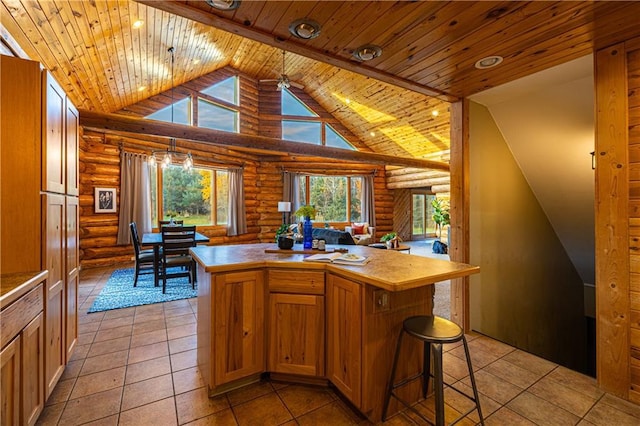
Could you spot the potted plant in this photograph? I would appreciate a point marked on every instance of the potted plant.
(440, 214)
(283, 237)
(391, 239)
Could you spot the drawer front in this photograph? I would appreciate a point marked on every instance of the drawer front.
(19, 314)
(296, 281)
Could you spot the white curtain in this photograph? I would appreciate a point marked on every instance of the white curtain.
(135, 200)
(237, 222)
(368, 201)
(291, 191)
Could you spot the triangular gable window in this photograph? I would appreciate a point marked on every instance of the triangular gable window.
(181, 112)
(225, 90)
(291, 105)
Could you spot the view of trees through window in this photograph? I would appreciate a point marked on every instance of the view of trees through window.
(197, 197)
(336, 198)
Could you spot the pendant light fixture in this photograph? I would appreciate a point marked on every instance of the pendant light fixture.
(167, 157)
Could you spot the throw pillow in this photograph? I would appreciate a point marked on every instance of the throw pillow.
(358, 228)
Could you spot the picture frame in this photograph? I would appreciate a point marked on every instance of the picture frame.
(105, 200)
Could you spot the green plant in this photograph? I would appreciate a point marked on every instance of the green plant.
(284, 229)
(306, 211)
(440, 214)
(389, 236)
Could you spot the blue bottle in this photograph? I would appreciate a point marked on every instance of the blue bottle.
(307, 230)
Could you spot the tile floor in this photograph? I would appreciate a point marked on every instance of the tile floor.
(137, 366)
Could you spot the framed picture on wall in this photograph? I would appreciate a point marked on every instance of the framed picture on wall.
(105, 200)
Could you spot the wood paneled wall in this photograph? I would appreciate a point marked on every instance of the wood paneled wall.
(617, 79)
(100, 167)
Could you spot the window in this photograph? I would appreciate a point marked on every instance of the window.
(226, 90)
(303, 125)
(216, 117)
(181, 112)
(198, 197)
(336, 198)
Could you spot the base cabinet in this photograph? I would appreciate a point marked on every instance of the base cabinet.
(344, 336)
(10, 383)
(238, 326)
(296, 334)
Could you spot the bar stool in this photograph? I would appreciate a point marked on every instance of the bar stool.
(434, 332)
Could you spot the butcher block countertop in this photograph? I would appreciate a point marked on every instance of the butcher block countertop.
(387, 269)
(14, 286)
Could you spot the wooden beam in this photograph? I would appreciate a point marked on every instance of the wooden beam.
(611, 221)
(117, 123)
(199, 15)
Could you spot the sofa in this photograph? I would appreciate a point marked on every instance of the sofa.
(333, 236)
(362, 233)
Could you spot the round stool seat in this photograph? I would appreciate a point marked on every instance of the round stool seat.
(432, 329)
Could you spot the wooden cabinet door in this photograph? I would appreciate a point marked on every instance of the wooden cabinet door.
(296, 334)
(238, 326)
(344, 336)
(53, 144)
(71, 137)
(33, 370)
(10, 384)
(53, 253)
(71, 274)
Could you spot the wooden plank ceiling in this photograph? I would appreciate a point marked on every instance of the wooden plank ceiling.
(105, 63)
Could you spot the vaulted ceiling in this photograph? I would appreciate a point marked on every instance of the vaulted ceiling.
(428, 52)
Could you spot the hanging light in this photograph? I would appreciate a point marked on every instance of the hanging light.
(171, 154)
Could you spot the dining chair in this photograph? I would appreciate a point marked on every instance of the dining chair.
(145, 258)
(176, 242)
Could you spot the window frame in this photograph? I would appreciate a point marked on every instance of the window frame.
(307, 193)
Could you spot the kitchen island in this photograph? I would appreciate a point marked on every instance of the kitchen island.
(261, 310)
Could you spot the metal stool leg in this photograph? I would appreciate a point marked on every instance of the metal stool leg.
(387, 398)
(473, 379)
(436, 349)
(426, 368)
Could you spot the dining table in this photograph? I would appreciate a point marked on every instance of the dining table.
(154, 239)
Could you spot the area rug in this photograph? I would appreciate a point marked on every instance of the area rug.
(119, 291)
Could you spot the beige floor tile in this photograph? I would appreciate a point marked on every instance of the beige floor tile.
(622, 405)
(80, 352)
(112, 333)
(196, 404)
(72, 370)
(183, 344)
(535, 364)
(178, 311)
(88, 327)
(148, 338)
(119, 313)
(109, 346)
(180, 320)
(146, 352)
(91, 407)
(427, 409)
(265, 410)
(541, 411)
(576, 381)
(222, 418)
(497, 348)
(149, 316)
(61, 392)
(454, 366)
(249, 392)
(506, 417)
(159, 413)
(463, 404)
(94, 317)
(335, 411)
(181, 331)
(399, 419)
(147, 326)
(150, 309)
(98, 382)
(147, 369)
(187, 380)
(300, 399)
(105, 421)
(116, 322)
(104, 362)
(147, 391)
(51, 414)
(183, 360)
(494, 387)
(479, 357)
(558, 394)
(603, 414)
(86, 338)
(512, 373)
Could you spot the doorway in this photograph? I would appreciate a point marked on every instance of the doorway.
(422, 225)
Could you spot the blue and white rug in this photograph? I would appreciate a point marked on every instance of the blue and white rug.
(119, 291)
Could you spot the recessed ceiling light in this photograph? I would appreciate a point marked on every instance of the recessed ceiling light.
(367, 52)
(137, 24)
(347, 101)
(141, 88)
(305, 29)
(435, 113)
(224, 4)
(372, 134)
(489, 62)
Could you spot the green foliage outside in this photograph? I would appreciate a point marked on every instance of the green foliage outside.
(328, 194)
